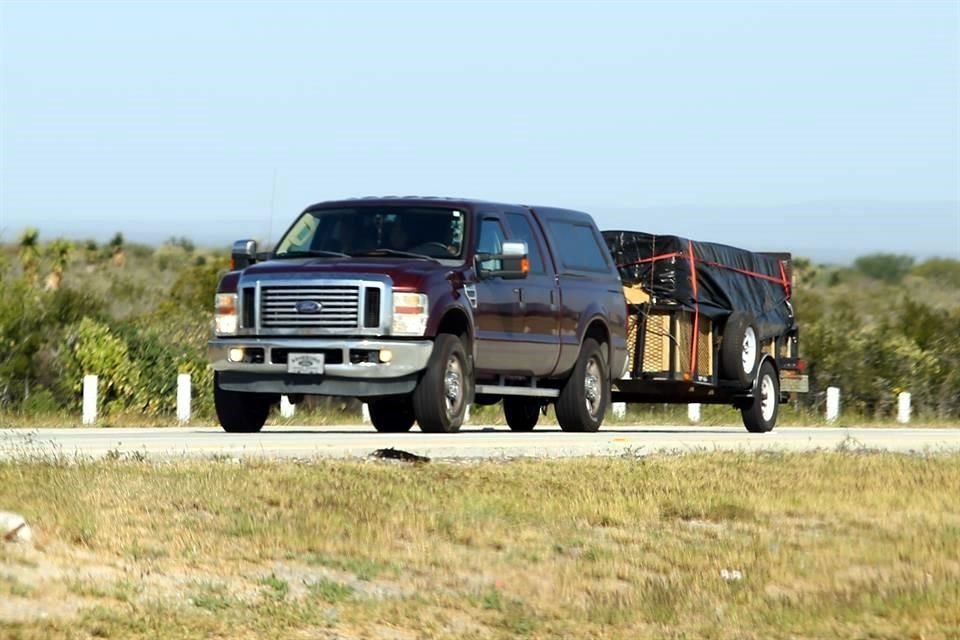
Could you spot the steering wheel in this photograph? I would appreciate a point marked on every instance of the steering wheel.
(424, 245)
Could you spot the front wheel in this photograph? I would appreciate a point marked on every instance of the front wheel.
(440, 399)
(760, 412)
(240, 412)
(586, 393)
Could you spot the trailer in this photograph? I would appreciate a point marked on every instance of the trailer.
(707, 323)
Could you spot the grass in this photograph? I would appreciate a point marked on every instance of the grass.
(720, 545)
(637, 415)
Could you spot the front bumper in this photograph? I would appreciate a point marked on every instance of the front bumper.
(409, 357)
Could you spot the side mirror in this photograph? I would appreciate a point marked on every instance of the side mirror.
(511, 263)
(243, 255)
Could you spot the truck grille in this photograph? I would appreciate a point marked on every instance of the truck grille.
(288, 307)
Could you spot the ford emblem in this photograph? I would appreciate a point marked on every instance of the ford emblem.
(309, 306)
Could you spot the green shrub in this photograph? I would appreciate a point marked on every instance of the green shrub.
(40, 402)
(942, 271)
(887, 267)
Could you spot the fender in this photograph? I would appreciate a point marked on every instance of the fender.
(756, 379)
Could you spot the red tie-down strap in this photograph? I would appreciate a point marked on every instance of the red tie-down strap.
(782, 280)
(696, 312)
(657, 258)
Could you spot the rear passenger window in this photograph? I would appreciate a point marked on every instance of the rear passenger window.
(521, 230)
(577, 246)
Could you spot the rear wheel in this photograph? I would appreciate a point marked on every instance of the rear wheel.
(760, 412)
(586, 393)
(240, 412)
(391, 415)
(440, 399)
(522, 414)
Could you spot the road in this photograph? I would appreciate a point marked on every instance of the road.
(472, 442)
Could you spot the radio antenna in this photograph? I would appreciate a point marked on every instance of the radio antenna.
(273, 202)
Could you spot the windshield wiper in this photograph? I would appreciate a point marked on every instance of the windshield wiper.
(394, 252)
(307, 253)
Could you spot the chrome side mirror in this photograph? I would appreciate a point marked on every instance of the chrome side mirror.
(244, 254)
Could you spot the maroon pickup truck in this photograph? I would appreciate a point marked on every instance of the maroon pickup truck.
(421, 306)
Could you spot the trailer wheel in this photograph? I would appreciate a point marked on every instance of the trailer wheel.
(760, 412)
(740, 349)
(585, 395)
(522, 414)
(391, 415)
(240, 412)
(440, 399)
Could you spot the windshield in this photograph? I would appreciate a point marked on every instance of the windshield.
(412, 232)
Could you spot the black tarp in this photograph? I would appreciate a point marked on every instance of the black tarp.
(727, 278)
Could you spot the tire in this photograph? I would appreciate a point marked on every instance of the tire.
(440, 399)
(760, 412)
(522, 414)
(391, 415)
(585, 395)
(240, 412)
(740, 349)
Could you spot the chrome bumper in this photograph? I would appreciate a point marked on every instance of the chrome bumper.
(408, 357)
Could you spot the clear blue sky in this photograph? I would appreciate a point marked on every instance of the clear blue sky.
(821, 127)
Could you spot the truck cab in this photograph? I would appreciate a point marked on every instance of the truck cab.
(421, 306)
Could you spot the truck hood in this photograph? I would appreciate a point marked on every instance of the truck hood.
(406, 273)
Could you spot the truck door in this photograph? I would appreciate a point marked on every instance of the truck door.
(496, 316)
(538, 299)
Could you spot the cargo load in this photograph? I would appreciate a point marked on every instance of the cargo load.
(712, 280)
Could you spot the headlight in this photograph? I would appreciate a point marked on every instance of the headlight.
(225, 314)
(410, 312)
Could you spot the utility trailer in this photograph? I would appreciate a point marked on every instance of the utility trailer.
(707, 323)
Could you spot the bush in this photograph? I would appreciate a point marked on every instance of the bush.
(887, 267)
(942, 271)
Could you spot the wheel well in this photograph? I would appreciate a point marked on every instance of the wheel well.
(455, 322)
(599, 332)
(773, 361)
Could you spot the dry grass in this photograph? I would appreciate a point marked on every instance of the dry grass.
(728, 545)
(640, 415)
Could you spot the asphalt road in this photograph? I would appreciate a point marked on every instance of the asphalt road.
(471, 442)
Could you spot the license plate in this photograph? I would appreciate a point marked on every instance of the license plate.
(794, 384)
(305, 363)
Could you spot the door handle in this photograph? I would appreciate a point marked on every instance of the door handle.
(518, 292)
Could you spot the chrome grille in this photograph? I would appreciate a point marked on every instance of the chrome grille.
(339, 306)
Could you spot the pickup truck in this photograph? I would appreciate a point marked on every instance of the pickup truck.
(422, 306)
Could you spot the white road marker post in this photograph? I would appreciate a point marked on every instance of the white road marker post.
(287, 408)
(183, 398)
(620, 410)
(833, 404)
(89, 400)
(466, 414)
(903, 408)
(693, 412)
(365, 413)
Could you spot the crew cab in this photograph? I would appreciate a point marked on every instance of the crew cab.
(421, 306)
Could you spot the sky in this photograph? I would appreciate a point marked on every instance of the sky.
(830, 129)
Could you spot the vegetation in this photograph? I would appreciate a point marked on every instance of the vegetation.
(835, 544)
(138, 315)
